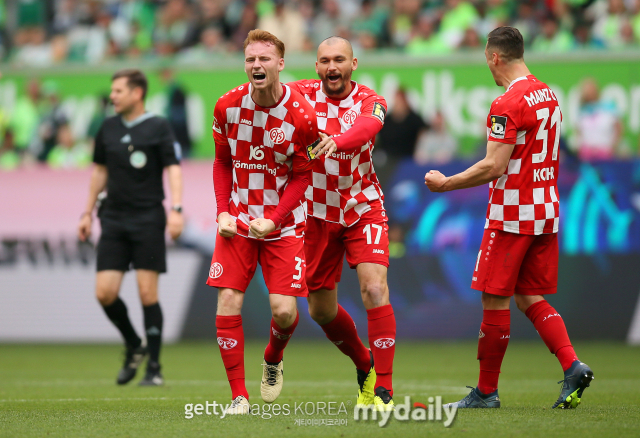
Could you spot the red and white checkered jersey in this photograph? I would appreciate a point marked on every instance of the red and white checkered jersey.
(524, 200)
(267, 145)
(344, 185)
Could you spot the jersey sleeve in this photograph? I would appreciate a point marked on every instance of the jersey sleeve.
(219, 123)
(99, 149)
(374, 107)
(503, 121)
(170, 149)
(304, 142)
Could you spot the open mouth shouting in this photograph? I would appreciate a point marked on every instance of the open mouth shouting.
(334, 78)
(259, 78)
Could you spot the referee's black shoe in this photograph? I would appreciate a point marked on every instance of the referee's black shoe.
(153, 376)
(133, 357)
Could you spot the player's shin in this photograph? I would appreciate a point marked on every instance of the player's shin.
(382, 340)
(553, 332)
(493, 340)
(344, 335)
(231, 342)
(278, 340)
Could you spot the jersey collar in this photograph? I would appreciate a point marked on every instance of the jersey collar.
(285, 97)
(521, 78)
(354, 91)
(136, 121)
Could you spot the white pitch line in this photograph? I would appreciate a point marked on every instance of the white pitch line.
(92, 399)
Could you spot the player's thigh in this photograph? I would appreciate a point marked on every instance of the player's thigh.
(115, 250)
(233, 263)
(499, 260)
(148, 237)
(108, 284)
(283, 266)
(367, 241)
(539, 271)
(147, 286)
(324, 252)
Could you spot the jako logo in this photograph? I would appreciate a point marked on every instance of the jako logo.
(216, 270)
(227, 343)
(349, 117)
(480, 335)
(277, 135)
(246, 122)
(384, 343)
(279, 335)
(337, 342)
(255, 153)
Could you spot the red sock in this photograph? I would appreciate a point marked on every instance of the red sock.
(382, 341)
(342, 332)
(553, 332)
(231, 343)
(492, 345)
(278, 339)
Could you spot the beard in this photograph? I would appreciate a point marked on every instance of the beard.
(335, 89)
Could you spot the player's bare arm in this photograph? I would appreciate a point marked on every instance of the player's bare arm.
(98, 182)
(483, 172)
(175, 221)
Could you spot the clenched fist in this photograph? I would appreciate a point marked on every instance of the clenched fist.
(261, 228)
(226, 225)
(435, 181)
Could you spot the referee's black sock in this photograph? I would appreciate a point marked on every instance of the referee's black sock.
(153, 327)
(117, 313)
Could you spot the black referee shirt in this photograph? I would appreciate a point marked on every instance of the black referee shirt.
(135, 154)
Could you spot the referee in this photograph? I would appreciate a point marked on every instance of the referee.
(131, 151)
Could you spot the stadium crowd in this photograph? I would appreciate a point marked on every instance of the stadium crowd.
(45, 32)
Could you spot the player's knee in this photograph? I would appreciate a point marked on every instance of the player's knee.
(376, 292)
(284, 315)
(106, 296)
(524, 302)
(321, 314)
(148, 297)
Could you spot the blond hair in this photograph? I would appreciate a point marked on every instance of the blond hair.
(258, 35)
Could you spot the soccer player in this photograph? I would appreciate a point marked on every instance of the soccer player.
(132, 149)
(261, 171)
(346, 213)
(519, 251)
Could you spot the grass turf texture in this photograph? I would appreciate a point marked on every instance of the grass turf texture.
(70, 390)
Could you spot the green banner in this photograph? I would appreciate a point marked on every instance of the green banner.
(461, 90)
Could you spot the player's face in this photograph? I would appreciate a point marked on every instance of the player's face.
(122, 96)
(491, 64)
(263, 65)
(335, 66)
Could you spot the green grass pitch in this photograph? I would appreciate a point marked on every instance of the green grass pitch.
(70, 390)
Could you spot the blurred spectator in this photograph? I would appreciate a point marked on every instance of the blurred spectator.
(552, 39)
(53, 121)
(424, 41)
(526, 21)
(401, 21)
(471, 40)
(608, 28)
(98, 117)
(585, 40)
(172, 26)
(459, 15)
(327, 22)
(26, 117)
(177, 110)
(286, 23)
(401, 128)
(437, 145)
(371, 22)
(66, 154)
(599, 130)
(211, 44)
(33, 49)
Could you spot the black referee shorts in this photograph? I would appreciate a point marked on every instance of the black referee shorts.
(132, 238)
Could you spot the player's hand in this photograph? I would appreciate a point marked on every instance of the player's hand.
(84, 228)
(326, 146)
(261, 228)
(226, 225)
(435, 181)
(175, 223)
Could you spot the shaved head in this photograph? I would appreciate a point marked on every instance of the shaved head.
(337, 40)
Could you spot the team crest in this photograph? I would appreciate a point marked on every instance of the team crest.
(227, 343)
(384, 343)
(349, 117)
(138, 159)
(498, 126)
(379, 112)
(216, 270)
(277, 136)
